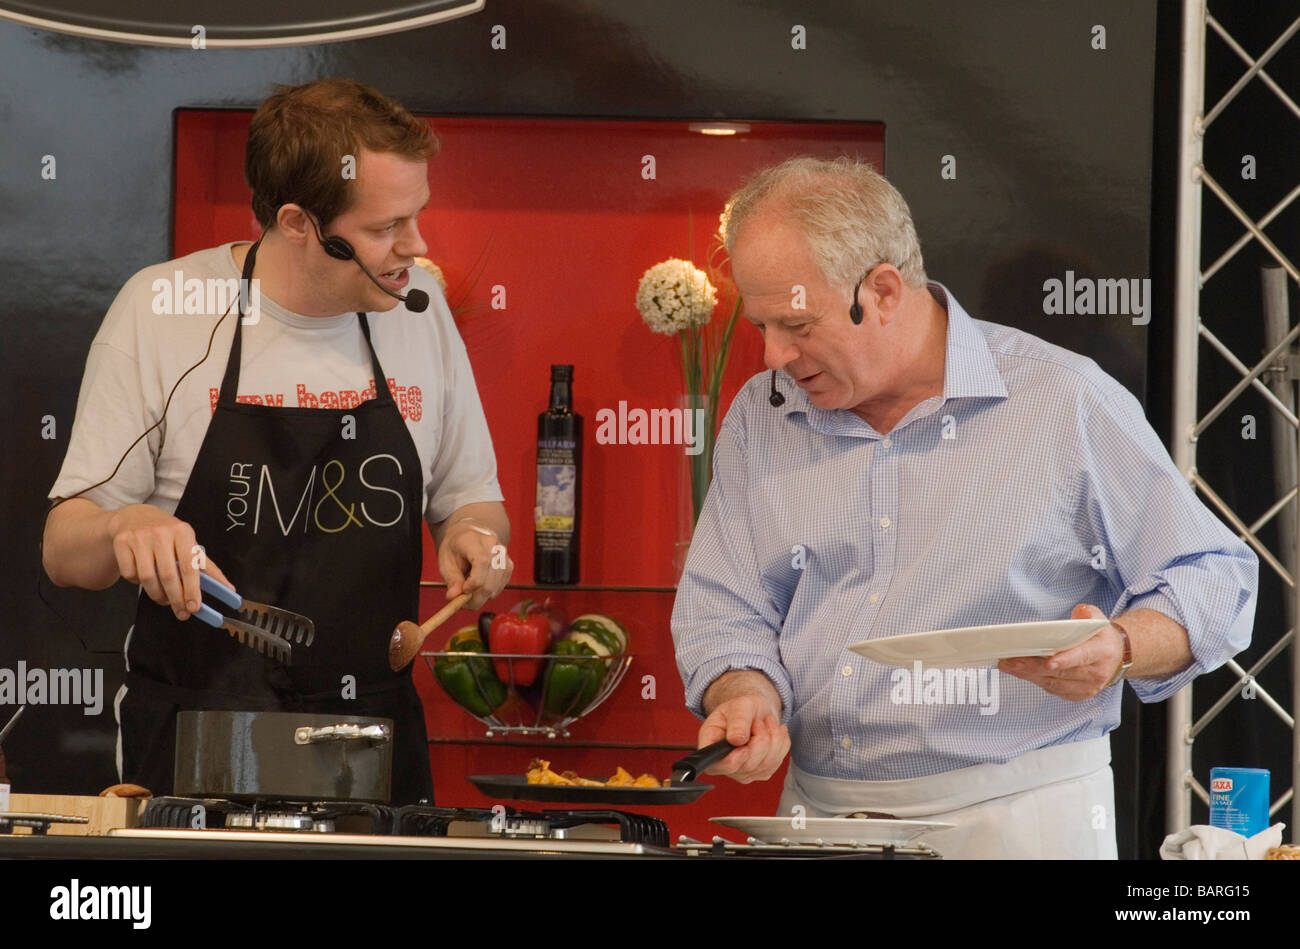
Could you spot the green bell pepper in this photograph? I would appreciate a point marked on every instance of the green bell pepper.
(570, 685)
(472, 683)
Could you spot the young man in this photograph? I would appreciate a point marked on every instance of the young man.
(295, 463)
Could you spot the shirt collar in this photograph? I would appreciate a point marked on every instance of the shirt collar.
(970, 371)
(281, 314)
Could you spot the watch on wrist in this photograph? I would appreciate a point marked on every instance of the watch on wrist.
(1126, 661)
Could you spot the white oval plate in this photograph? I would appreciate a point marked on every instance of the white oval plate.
(978, 645)
(832, 830)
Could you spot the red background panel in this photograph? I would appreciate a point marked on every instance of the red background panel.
(564, 218)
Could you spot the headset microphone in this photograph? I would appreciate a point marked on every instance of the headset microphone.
(417, 301)
(776, 398)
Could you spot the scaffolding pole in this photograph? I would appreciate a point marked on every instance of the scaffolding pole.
(1187, 320)
(1279, 367)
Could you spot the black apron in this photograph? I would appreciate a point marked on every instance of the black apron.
(313, 512)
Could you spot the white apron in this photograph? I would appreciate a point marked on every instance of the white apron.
(1054, 803)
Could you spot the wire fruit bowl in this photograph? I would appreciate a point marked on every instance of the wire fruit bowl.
(529, 709)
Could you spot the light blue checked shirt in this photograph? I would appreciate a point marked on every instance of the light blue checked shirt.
(1050, 468)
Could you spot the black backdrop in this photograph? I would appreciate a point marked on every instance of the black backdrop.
(1054, 142)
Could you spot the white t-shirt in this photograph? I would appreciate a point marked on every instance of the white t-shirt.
(288, 360)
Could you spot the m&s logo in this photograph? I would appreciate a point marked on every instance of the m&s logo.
(253, 497)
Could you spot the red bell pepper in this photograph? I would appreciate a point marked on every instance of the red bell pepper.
(526, 631)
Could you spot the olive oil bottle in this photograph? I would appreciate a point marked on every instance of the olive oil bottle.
(557, 514)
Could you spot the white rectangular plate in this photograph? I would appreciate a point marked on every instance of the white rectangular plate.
(978, 645)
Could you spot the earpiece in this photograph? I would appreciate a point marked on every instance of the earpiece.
(337, 247)
(855, 310)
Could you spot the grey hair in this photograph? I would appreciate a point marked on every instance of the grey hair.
(852, 218)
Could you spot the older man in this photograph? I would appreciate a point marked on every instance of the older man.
(926, 470)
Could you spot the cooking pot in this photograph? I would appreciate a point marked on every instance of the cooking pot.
(284, 755)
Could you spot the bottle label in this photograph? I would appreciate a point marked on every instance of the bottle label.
(4, 796)
(556, 489)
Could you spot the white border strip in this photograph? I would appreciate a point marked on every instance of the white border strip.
(145, 39)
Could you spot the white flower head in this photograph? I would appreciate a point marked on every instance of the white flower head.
(674, 295)
(435, 270)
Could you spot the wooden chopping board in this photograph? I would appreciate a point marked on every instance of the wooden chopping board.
(104, 813)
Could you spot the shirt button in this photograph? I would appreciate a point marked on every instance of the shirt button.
(847, 671)
(885, 443)
(846, 742)
(875, 598)
(884, 522)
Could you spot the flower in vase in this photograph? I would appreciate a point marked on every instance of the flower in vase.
(675, 295)
(433, 269)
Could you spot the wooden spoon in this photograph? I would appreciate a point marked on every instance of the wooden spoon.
(408, 638)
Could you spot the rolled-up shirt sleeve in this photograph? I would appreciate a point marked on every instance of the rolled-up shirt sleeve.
(722, 619)
(1168, 551)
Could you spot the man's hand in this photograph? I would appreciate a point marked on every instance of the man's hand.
(751, 724)
(468, 546)
(1077, 673)
(159, 552)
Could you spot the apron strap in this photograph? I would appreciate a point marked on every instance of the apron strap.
(381, 381)
(230, 379)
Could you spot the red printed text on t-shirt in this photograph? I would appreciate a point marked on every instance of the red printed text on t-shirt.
(408, 398)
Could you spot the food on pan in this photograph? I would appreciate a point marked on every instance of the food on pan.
(539, 772)
(579, 781)
(622, 779)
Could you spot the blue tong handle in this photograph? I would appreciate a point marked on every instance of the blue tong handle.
(223, 593)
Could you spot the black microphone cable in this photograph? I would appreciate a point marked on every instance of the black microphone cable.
(55, 502)
(776, 398)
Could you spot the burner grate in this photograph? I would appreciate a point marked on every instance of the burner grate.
(413, 820)
(183, 813)
(419, 820)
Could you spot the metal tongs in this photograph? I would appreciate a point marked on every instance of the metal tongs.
(268, 629)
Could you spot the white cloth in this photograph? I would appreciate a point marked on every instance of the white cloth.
(1054, 803)
(290, 361)
(1203, 842)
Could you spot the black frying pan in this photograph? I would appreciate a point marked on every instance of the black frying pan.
(682, 790)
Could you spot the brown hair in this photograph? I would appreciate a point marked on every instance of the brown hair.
(299, 136)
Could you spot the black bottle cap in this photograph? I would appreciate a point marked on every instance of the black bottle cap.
(561, 373)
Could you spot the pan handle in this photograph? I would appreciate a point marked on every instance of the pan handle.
(306, 735)
(688, 768)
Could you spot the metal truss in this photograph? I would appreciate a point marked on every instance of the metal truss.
(1193, 182)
